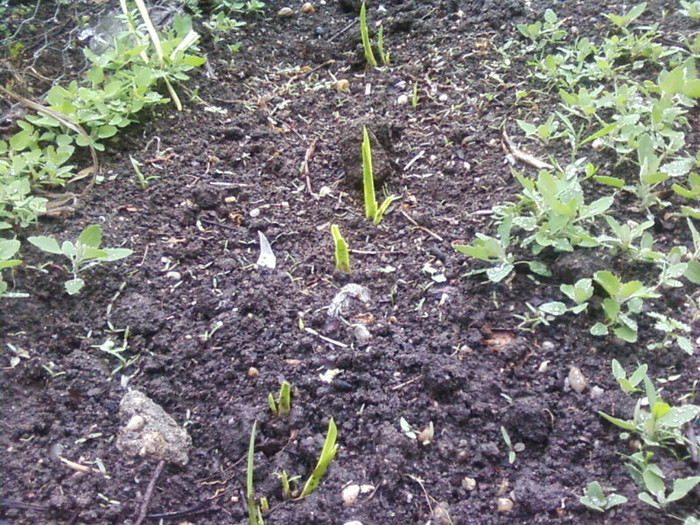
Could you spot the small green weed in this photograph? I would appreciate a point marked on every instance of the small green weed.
(594, 498)
(82, 254)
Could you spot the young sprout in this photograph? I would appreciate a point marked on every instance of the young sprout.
(364, 34)
(327, 454)
(284, 401)
(383, 56)
(512, 449)
(414, 95)
(371, 210)
(342, 256)
(287, 483)
(254, 512)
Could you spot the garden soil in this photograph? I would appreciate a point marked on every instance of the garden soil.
(267, 143)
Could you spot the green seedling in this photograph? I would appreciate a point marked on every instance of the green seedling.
(330, 448)
(674, 332)
(628, 385)
(495, 250)
(342, 255)
(629, 295)
(286, 482)
(552, 209)
(424, 437)
(109, 346)
(8, 248)
(371, 210)
(595, 498)
(83, 254)
(655, 484)
(579, 292)
(141, 179)
(254, 511)
(624, 236)
(691, 9)
(542, 314)
(658, 424)
(623, 21)
(414, 94)
(542, 34)
(512, 449)
(364, 34)
(383, 55)
(284, 401)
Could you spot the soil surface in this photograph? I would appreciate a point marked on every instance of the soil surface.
(266, 143)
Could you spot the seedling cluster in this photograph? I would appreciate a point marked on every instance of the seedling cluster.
(628, 95)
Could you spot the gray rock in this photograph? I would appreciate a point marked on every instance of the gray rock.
(149, 432)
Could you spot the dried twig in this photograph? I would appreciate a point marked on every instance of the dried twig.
(426, 230)
(522, 156)
(149, 493)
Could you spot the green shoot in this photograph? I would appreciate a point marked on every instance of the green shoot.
(284, 401)
(512, 449)
(371, 209)
(254, 512)
(286, 483)
(140, 177)
(327, 454)
(342, 256)
(414, 95)
(383, 56)
(364, 33)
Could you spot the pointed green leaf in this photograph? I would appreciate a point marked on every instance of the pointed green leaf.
(47, 244)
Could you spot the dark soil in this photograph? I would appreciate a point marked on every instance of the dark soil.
(445, 351)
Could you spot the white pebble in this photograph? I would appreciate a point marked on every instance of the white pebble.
(577, 381)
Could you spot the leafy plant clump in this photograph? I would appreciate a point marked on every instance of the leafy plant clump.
(83, 254)
(641, 120)
(659, 426)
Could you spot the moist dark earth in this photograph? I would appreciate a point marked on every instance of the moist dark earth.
(266, 143)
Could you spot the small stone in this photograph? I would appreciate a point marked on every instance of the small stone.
(577, 381)
(544, 365)
(468, 483)
(350, 494)
(596, 391)
(547, 345)
(175, 276)
(402, 100)
(342, 85)
(253, 372)
(505, 505)
(361, 333)
(135, 423)
(441, 514)
(285, 12)
(425, 437)
(308, 8)
(158, 438)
